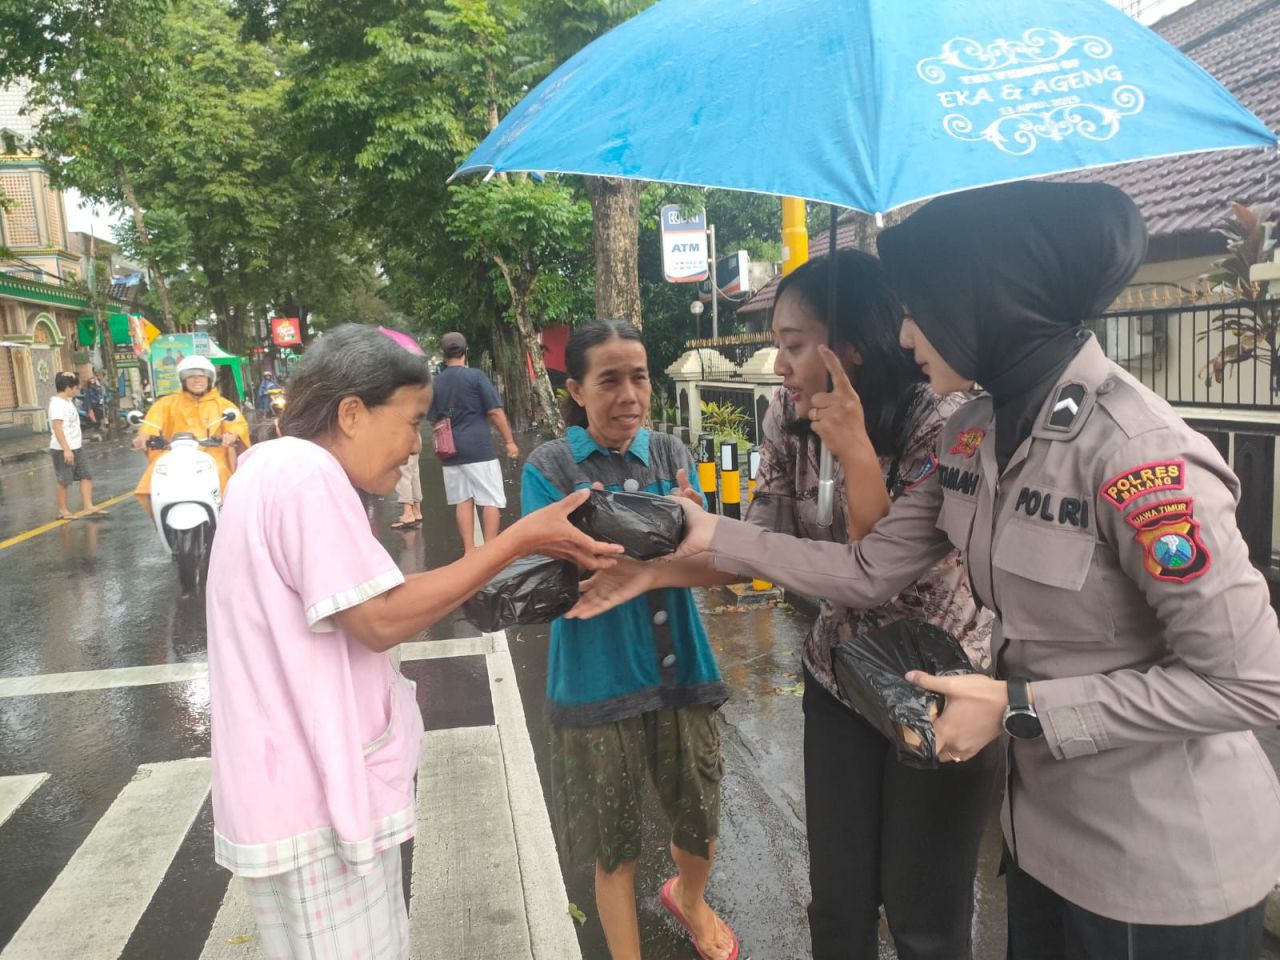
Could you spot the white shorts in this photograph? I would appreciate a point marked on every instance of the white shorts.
(325, 911)
(481, 482)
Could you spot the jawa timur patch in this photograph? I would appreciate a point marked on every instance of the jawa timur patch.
(1149, 478)
(968, 442)
(1170, 536)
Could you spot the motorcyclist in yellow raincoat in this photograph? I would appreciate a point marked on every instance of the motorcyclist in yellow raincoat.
(197, 409)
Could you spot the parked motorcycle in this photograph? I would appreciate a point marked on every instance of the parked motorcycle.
(186, 497)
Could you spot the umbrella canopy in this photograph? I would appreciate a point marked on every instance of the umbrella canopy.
(869, 104)
(404, 340)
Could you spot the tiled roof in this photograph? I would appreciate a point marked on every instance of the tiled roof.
(1236, 41)
(848, 233)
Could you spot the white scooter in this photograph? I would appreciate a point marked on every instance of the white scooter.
(186, 497)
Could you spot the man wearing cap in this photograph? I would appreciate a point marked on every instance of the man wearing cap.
(472, 475)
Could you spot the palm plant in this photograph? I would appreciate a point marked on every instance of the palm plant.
(1254, 322)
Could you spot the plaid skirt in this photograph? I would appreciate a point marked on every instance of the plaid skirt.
(325, 911)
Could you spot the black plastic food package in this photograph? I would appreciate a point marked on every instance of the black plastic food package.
(644, 524)
(871, 672)
(532, 590)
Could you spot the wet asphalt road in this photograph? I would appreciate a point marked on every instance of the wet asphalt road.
(93, 595)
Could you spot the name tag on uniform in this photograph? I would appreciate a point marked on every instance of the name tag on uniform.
(1053, 508)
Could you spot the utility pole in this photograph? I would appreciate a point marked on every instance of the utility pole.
(795, 234)
(715, 286)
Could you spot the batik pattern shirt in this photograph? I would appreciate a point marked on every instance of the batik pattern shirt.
(786, 501)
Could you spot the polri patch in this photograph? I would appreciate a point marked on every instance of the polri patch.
(968, 442)
(1171, 545)
(1140, 481)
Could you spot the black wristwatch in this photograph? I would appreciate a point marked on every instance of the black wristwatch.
(1020, 719)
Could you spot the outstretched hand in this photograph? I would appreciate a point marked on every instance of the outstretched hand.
(548, 531)
(699, 527)
(972, 715)
(838, 417)
(606, 589)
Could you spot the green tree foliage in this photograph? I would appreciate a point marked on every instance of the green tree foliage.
(525, 229)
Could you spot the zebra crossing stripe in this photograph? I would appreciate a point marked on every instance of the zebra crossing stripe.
(234, 935)
(15, 790)
(466, 900)
(90, 911)
(102, 679)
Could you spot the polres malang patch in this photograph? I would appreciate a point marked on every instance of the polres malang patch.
(1157, 477)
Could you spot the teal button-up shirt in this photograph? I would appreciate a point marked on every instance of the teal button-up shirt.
(617, 664)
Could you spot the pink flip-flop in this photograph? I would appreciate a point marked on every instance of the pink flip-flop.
(669, 902)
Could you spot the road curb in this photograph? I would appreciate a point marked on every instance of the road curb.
(21, 455)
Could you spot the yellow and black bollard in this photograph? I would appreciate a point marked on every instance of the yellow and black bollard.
(707, 469)
(730, 481)
(753, 474)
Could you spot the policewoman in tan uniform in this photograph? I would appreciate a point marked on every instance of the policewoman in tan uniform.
(1135, 645)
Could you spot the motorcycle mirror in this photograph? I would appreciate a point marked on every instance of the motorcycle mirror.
(134, 417)
(229, 415)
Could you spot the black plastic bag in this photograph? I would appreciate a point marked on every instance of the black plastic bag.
(645, 524)
(871, 672)
(532, 590)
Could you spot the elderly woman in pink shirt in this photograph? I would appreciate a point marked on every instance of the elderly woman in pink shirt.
(316, 734)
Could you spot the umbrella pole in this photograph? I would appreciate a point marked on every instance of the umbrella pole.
(826, 464)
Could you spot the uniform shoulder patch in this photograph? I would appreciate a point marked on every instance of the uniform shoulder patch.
(1066, 406)
(1170, 537)
(1156, 477)
(925, 471)
(967, 442)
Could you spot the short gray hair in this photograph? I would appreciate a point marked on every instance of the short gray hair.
(351, 361)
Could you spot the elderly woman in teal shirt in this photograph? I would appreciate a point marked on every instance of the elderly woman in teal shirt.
(631, 694)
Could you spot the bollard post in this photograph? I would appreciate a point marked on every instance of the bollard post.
(753, 474)
(707, 469)
(730, 481)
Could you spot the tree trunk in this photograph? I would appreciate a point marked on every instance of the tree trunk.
(544, 396)
(615, 236)
(509, 366)
(144, 238)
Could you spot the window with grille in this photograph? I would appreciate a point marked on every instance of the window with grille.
(20, 227)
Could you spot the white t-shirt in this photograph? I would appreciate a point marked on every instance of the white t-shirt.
(62, 409)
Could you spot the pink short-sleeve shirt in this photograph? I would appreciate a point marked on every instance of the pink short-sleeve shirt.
(315, 736)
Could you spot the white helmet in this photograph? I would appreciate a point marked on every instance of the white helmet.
(200, 366)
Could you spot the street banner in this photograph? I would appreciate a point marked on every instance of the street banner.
(167, 351)
(684, 245)
(286, 331)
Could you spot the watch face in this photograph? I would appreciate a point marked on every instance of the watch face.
(1023, 726)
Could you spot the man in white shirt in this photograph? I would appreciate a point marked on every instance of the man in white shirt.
(64, 446)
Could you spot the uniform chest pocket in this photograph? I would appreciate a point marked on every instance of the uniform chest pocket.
(955, 518)
(1044, 554)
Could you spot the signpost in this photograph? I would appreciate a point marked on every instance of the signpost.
(684, 245)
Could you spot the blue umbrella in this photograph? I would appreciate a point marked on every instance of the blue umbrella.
(868, 104)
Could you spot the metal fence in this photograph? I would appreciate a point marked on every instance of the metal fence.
(1207, 354)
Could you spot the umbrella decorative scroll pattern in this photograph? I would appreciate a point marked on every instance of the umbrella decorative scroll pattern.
(866, 104)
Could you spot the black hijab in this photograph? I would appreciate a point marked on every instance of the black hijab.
(1002, 280)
